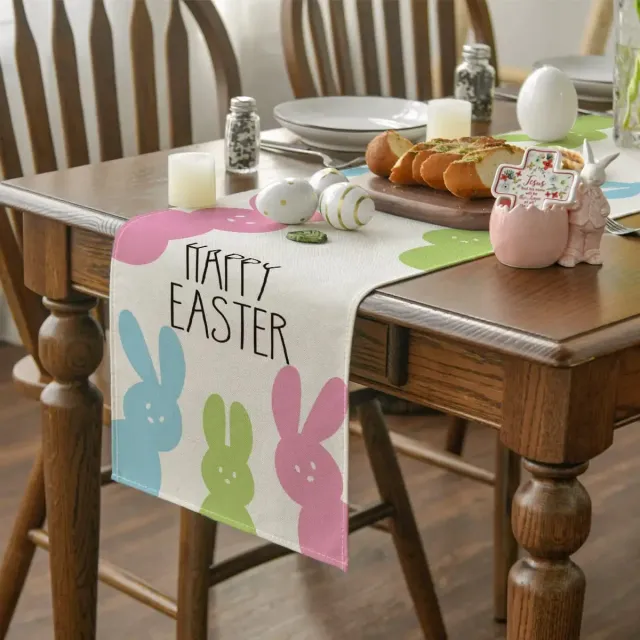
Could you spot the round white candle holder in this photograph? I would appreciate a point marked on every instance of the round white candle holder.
(192, 180)
(448, 118)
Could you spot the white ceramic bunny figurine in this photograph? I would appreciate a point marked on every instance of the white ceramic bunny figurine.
(587, 218)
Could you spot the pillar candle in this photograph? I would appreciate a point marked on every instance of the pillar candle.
(448, 118)
(192, 180)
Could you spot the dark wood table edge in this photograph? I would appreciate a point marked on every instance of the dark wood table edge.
(382, 305)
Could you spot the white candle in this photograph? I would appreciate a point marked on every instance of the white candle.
(448, 118)
(192, 180)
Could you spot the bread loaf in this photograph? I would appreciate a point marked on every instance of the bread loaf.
(472, 176)
(424, 149)
(433, 169)
(402, 172)
(384, 151)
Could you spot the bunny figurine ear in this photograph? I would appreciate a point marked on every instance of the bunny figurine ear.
(587, 152)
(607, 160)
(135, 347)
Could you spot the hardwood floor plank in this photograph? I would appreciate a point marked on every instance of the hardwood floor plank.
(297, 598)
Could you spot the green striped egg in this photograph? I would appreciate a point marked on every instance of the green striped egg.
(346, 206)
(324, 178)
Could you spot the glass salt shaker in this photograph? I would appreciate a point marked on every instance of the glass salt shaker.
(475, 81)
(242, 136)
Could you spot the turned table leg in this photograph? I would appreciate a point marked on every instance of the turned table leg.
(551, 519)
(70, 348)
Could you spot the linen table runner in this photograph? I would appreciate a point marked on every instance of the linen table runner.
(622, 188)
(230, 350)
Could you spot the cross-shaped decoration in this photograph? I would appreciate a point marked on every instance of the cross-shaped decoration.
(537, 181)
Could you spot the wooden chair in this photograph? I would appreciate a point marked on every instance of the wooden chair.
(598, 28)
(335, 62)
(324, 63)
(197, 573)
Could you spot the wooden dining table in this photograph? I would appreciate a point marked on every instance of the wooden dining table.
(550, 358)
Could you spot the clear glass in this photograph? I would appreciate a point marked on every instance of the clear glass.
(626, 94)
(242, 142)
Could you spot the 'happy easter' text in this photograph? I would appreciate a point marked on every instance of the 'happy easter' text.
(218, 316)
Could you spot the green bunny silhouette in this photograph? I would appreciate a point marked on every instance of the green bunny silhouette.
(586, 128)
(447, 247)
(225, 469)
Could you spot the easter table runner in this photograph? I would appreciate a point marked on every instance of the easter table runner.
(230, 349)
(622, 188)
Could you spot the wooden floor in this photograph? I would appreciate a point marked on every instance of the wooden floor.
(300, 599)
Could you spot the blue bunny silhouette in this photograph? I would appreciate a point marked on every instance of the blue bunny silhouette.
(621, 190)
(152, 420)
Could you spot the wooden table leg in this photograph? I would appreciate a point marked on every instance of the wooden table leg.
(505, 546)
(557, 419)
(70, 348)
(197, 540)
(551, 519)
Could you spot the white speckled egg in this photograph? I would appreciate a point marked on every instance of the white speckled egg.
(547, 105)
(324, 178)
(289, 201)
(346, 206)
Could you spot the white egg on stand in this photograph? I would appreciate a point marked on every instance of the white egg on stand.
(289, 201)
(324, 178)
(547, 105)
(346, 206)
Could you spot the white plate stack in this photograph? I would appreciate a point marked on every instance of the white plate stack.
(349, 123)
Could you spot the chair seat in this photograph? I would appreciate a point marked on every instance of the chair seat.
(31, 382)
(28, 378)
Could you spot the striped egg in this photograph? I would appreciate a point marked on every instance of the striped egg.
(346, 206)
(324, 178)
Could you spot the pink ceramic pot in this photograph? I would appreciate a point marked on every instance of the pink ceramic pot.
(528, 237)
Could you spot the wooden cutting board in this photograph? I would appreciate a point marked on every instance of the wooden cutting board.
(426, 205)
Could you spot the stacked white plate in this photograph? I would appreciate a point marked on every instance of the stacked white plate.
(349, 123)
(592, 76)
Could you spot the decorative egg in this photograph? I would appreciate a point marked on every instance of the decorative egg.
(547, 105)
(346, 206)
(289, 201)
(324, 178)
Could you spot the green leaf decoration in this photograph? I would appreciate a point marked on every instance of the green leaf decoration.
(307, 236)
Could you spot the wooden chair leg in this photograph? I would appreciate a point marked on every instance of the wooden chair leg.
(456, 433)
(197, 539)
(404, 530)
(19, 552)
(505, 546)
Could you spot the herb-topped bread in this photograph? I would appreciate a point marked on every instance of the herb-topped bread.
(472, 175)
(465, 166)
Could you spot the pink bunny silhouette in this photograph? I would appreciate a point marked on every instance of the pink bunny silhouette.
(306, 470)
(153, 231)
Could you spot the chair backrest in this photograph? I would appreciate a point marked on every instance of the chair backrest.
(25, 308)
(598, 28)
(327, 44)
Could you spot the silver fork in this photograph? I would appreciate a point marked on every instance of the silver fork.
(327, 161)
(618, 229)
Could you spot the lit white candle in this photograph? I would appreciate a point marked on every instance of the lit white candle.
(192, 180)
(448, 118)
